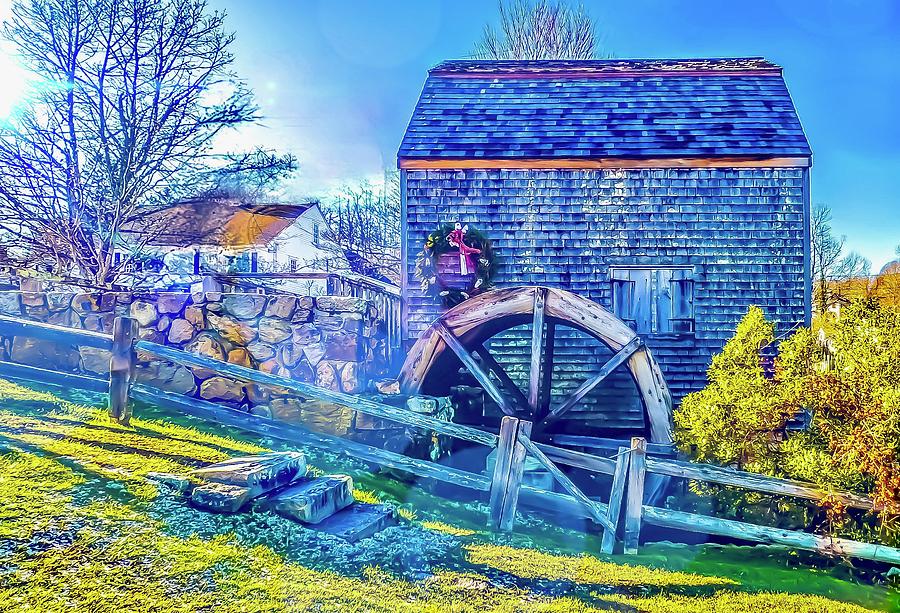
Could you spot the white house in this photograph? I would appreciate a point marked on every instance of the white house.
(226, 236)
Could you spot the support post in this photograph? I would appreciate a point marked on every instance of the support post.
(635, 495)
(614, 511)
(508, 470)
(121, 368)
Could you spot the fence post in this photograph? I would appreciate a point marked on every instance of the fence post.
(616, 493)
(121, 368)
(635, 495)
(508, 470)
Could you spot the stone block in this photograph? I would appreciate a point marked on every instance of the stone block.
(340, 345)
(244, 306)
(327, 376)
(58, 301)
(235, 331)
(351, 382)
(34, 299)
(181, 331)
(287, 409)
(164, 322)
(274, 330)
(222, 389)
(94, 360)
(171, 303)
(281, 307)
(66, 318)
(261, 351)
(314, 354)
(261, 411)
(261, 473)
(166, 376)
(37, 313)
(45, 354)
(305, 334)
(86, 303)
(143, 312)
(301, 316)
(358, 521)
(241, 357)
(220, 497)
(313, 500)
(341, 304)
(9, 303)
(175, 483)
(194, 314)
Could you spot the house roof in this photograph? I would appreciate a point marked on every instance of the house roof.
(596, 109)
(220, 222)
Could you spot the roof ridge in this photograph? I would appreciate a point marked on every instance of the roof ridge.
(609, 66)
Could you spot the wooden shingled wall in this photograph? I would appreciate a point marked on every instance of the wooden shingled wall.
(740, 231)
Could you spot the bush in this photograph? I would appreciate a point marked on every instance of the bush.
(847, 379)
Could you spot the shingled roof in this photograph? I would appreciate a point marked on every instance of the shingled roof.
(597, 109)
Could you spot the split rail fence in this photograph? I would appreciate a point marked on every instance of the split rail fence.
(622, 517)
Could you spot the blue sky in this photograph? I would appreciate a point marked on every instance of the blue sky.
(337, 81)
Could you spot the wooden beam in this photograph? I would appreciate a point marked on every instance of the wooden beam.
(751, 481)
(502, 462)
(566, 483)
(121, 368)
(614, 162)
(547, 372)
(11, 326)
(537, 346)
(616, 492)
(635, 495)
(832, 546)
(585, 388)
(508, 384)
(53, 377)
(369, 407)
(472, 366)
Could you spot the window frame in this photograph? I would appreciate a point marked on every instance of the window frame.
(669, 291)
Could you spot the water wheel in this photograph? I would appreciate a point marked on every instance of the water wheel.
(456, 343)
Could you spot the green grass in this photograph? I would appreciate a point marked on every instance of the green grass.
(82, 528)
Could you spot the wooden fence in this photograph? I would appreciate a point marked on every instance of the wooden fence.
(629, 467)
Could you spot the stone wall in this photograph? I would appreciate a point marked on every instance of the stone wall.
(330, 341)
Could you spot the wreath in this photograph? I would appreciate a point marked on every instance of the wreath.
(456, 262)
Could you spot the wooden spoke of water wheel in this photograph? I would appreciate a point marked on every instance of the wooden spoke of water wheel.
(463, 330)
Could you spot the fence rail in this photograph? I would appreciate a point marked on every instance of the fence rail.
(629, 467)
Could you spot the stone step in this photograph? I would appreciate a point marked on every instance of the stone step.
(220, 497)
(260, 473)
(312, 500)
(358, 521)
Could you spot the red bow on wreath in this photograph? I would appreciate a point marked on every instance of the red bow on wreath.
(455, 239)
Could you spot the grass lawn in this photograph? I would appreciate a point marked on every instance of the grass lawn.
(82, 528)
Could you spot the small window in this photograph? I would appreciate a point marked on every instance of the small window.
(254, 261)
(316, 236)
(654, 300)
(294, 264)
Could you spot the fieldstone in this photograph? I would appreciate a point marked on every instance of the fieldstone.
(327, 418)
(171, 302)
(257, 394)
(244, 306)
(33, 299)
(9, 303)
(210, 345)
(222, 389)
(272, 330)
(181, 331)
(197, 294)
(151, 334)
(314, 353)
(45, 354)
(290, 355)
(341, 346)
(326, 376)
(86, 303)
(281, 306)
(301, 316)
(144, 313)
(235, 331)
(305, 334)
(388, 387)
(194, 314)
(314, 499)
(261, 411)
(95, 360)
(358, 521)
(261, 351)
(241, 357)
(342, 304)
(303, 372)
(220, 497)
(58, 301)
(350, 379)
(286, 409)
(66, 318)
(166, 376)
(38, 313)
(328, 321)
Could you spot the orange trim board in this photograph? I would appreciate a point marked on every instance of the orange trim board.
(576, 163)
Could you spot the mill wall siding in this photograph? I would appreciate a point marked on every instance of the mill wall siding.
(742, 231)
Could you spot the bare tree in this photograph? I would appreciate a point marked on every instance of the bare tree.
(364, 225)
(130, 96)
(826, 255)
(539, 30)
